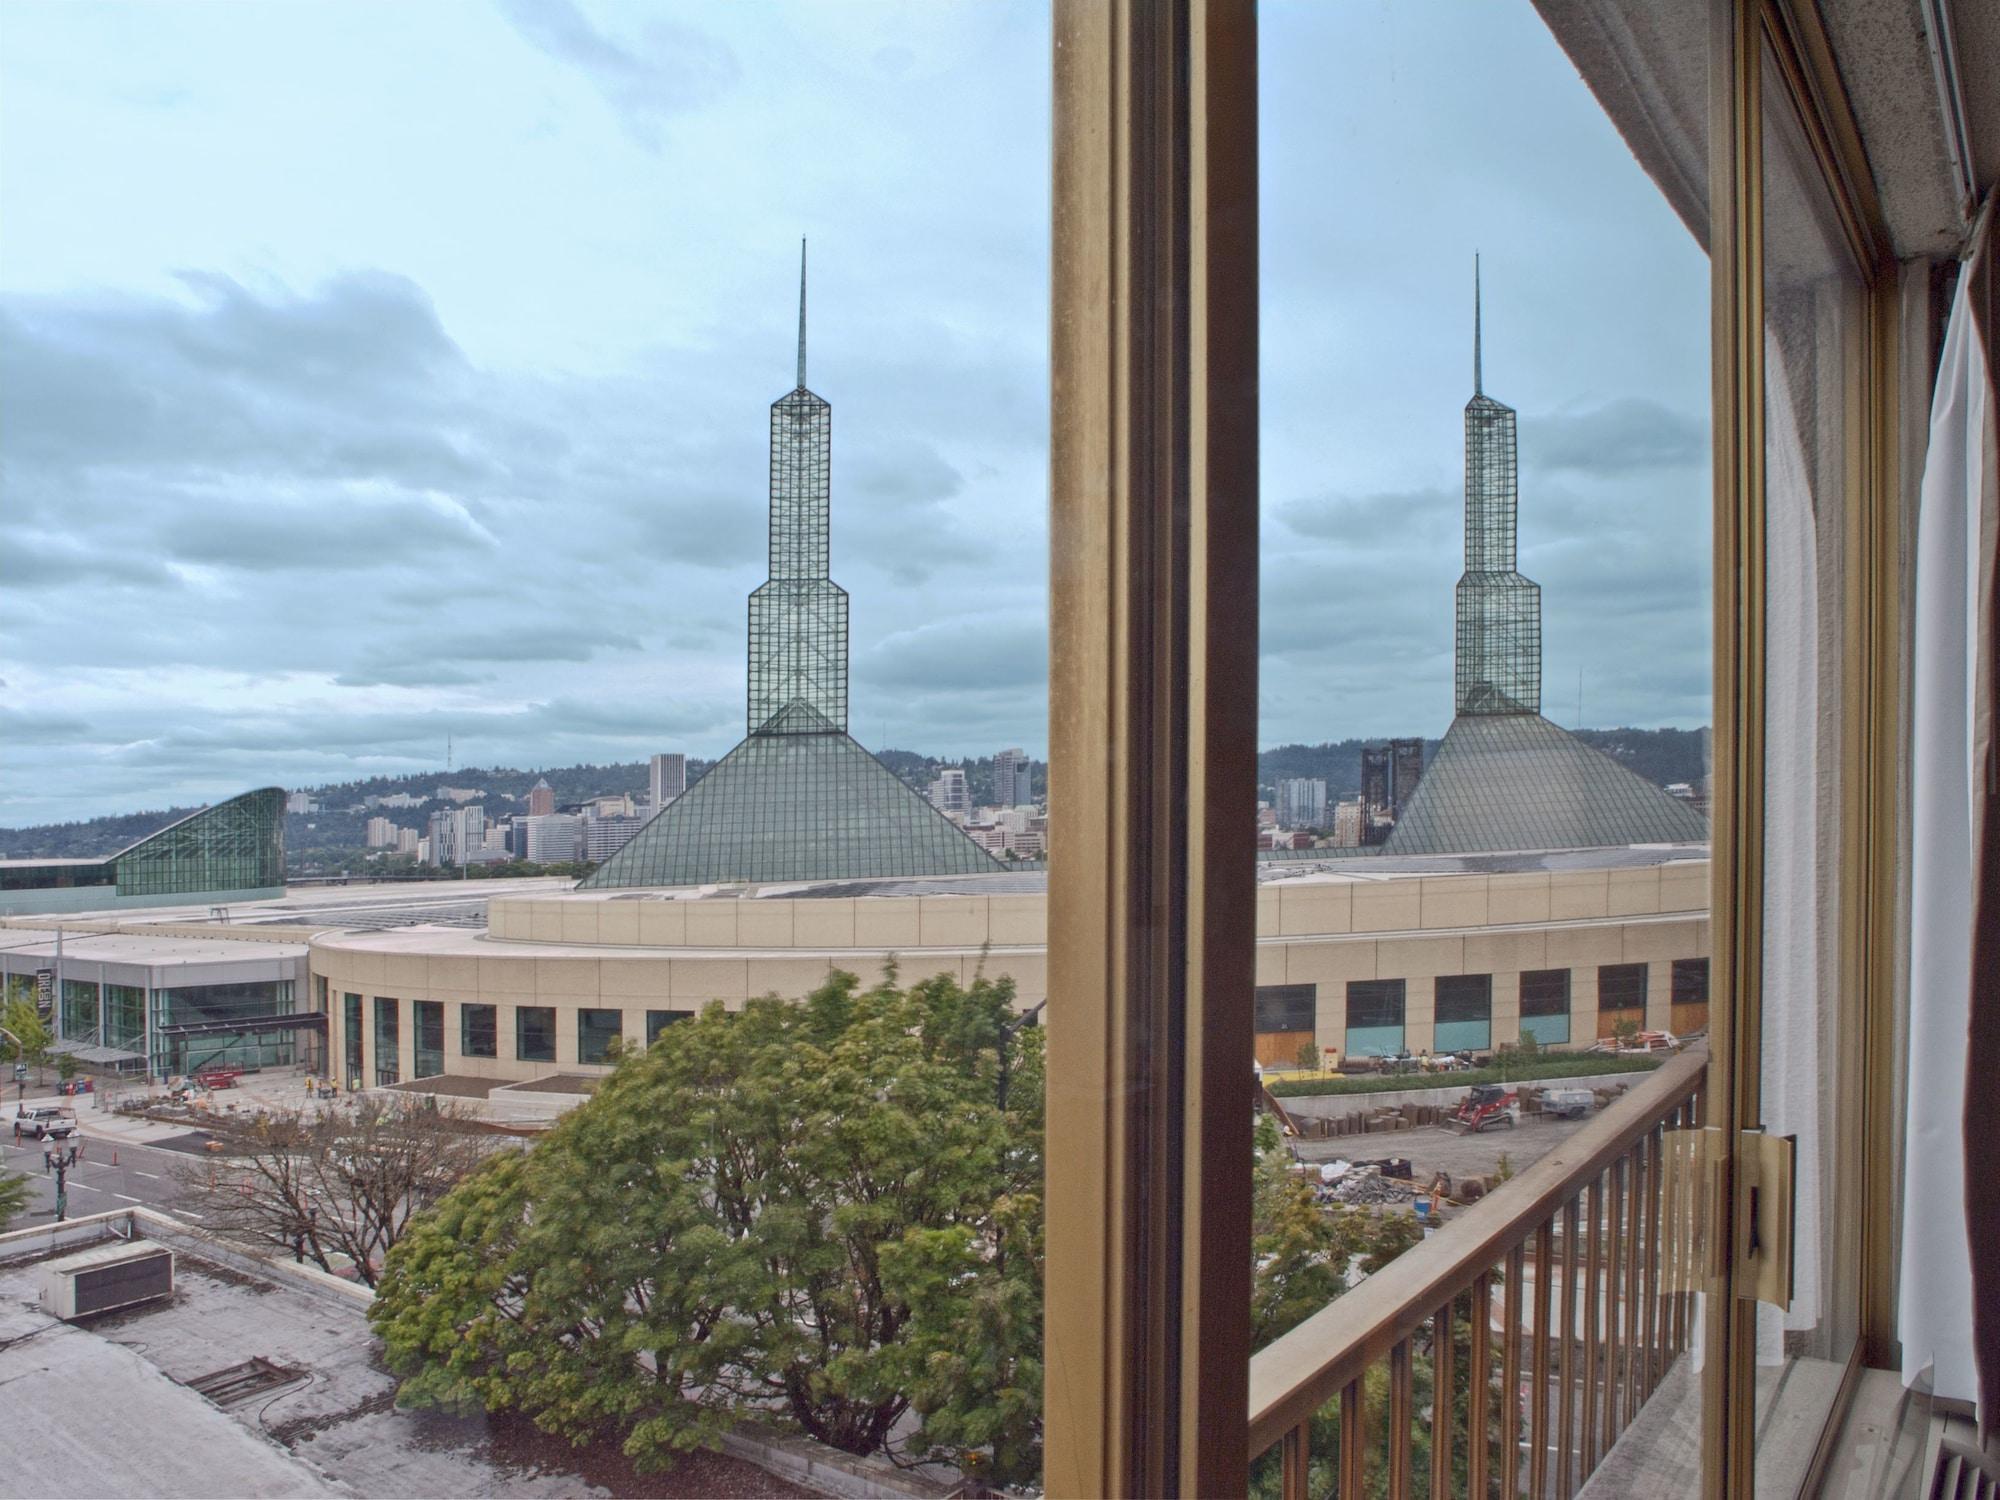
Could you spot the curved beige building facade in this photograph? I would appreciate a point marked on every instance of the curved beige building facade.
(1355, 955)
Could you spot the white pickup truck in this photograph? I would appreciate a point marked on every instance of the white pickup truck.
(44, 1122)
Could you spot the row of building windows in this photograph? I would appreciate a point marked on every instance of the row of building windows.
(1463, 1014)
(479, 1034)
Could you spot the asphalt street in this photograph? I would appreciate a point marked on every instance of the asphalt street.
(143, 1175)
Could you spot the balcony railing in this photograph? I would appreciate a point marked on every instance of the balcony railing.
(1566, 1280)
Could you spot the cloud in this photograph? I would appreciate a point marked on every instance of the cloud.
(675, 70)
(1402, 517)
(1618, 437)
(980, 651)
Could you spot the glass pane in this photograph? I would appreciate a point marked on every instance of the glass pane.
(1814, 306)
(1485, 645)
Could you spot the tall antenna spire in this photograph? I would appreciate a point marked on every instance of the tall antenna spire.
(802, 313)
(1478, 388)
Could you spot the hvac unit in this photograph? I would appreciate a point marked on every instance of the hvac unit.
(108, 1277)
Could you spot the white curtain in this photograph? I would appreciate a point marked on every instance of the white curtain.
(1955, 515)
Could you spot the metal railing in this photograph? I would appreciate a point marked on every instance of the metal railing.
(1566, 1280)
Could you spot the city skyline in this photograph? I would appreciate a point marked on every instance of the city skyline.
(339, 478)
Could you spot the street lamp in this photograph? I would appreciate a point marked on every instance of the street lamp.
(60, 1161)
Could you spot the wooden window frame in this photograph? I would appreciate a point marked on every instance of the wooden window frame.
(1153, 714)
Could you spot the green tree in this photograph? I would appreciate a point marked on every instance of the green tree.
(15, 1191)
(65, 1066)
(21, 1018)
(814, 1210)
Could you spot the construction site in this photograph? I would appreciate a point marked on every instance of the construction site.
(1431, 1151)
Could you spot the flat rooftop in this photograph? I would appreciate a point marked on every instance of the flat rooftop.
(105, 1407)
(154, 949)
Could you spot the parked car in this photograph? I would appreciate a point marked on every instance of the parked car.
(45, 1122)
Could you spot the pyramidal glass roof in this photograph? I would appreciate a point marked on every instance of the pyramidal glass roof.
(798, 800)
(1515, 781)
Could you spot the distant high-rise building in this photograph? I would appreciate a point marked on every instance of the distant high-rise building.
(1378, 802)
(551, 838)
(300, 802)
(1013, 781)
(1406, 764)
(1302, 802)
(407, 840)
(668, 779)
(541, 799)
(381, 834)
(604, 837)
(1347, 824)
(457, 834)
(949, 793)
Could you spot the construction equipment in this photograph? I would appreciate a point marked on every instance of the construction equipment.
(1486, 1105)
(1567, 1104)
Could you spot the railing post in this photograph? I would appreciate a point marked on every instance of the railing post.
(1442, 1359)
(1400, 1403)
(1477, 1440)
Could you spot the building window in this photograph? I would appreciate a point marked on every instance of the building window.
(1464, 1015)
(535, 1033)
(1690, 996)
(1285, 1023)
(1621, 997)
(479, 1030)
(1545, 1005)
(351, 1038)
(429, 1018)
(1621, 987)
(596, 1030)
(388, 1041)
(124, 1017)
(1690, 981)
(1374, 1017)
(79, 1010)
(658, 1021)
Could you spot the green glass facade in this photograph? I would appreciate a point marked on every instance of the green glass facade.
(803, 802)
(79, 1010)
(238, 845)
(125, 1017)
(208, 1003)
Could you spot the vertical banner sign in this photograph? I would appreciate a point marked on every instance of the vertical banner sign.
(45, 993)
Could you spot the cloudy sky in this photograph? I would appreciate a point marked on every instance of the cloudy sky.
(377, 373)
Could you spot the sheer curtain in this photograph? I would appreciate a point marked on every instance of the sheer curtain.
(1954, 1110)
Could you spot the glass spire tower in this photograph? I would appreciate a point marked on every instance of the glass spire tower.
(799, 798)
(1505, 778)
(1499, 658)
(798, 615)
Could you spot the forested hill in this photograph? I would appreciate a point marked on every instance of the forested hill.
(1662, 756)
